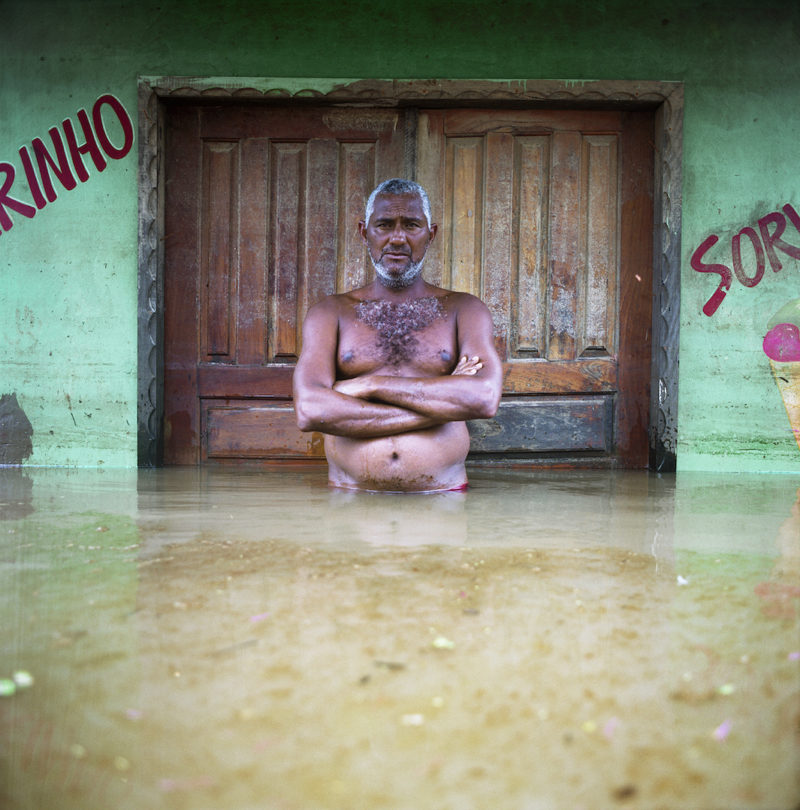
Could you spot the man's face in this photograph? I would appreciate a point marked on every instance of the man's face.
(397, 237)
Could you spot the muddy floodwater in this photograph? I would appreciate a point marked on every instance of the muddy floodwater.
(240, 639)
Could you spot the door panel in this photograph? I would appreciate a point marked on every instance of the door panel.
(546, 215)
(581, 424)
(534, 222)
(260, 223)
(250, 429)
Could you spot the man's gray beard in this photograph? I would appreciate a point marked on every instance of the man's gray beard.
(398, 282)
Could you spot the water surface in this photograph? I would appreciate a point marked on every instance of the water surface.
(235, 638)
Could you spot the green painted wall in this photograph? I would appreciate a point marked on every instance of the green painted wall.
(68, 276)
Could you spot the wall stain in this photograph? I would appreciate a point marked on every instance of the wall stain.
(15, 432)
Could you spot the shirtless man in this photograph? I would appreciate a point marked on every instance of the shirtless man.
(390, 372)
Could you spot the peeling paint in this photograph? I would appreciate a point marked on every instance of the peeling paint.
(15, 432)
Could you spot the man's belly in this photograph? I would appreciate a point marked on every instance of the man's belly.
(420, 461)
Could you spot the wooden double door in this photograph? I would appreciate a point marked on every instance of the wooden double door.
(546, 215)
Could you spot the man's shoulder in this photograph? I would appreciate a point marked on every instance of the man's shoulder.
(333, 304)
(469, 311)
(463, 300)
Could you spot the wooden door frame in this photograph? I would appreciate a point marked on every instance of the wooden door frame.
(664, 99)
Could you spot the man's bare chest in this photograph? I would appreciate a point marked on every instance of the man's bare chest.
(417, 335)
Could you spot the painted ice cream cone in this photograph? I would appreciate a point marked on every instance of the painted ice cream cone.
(787, 377)
(782, 346)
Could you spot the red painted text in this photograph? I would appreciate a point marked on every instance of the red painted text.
(64, 161)
(762, 245)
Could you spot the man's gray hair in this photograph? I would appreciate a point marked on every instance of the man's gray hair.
(399, 186)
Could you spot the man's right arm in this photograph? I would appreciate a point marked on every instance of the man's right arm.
(319, 407)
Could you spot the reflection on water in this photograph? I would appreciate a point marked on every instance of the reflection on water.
(245, 639)
(16, 493)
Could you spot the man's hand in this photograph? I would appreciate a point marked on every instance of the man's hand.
(467, 366)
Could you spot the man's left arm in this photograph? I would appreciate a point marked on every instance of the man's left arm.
(473, 394)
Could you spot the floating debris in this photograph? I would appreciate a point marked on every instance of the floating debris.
(122, 763)
(231, 648)
(7, 687)
(722, 731)
(413, 719)
(442, 643)
(726, 689)
(624, 792)
(392, 666)
(682, 580)
(259, 617)
(23, 679)
(794, 656)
